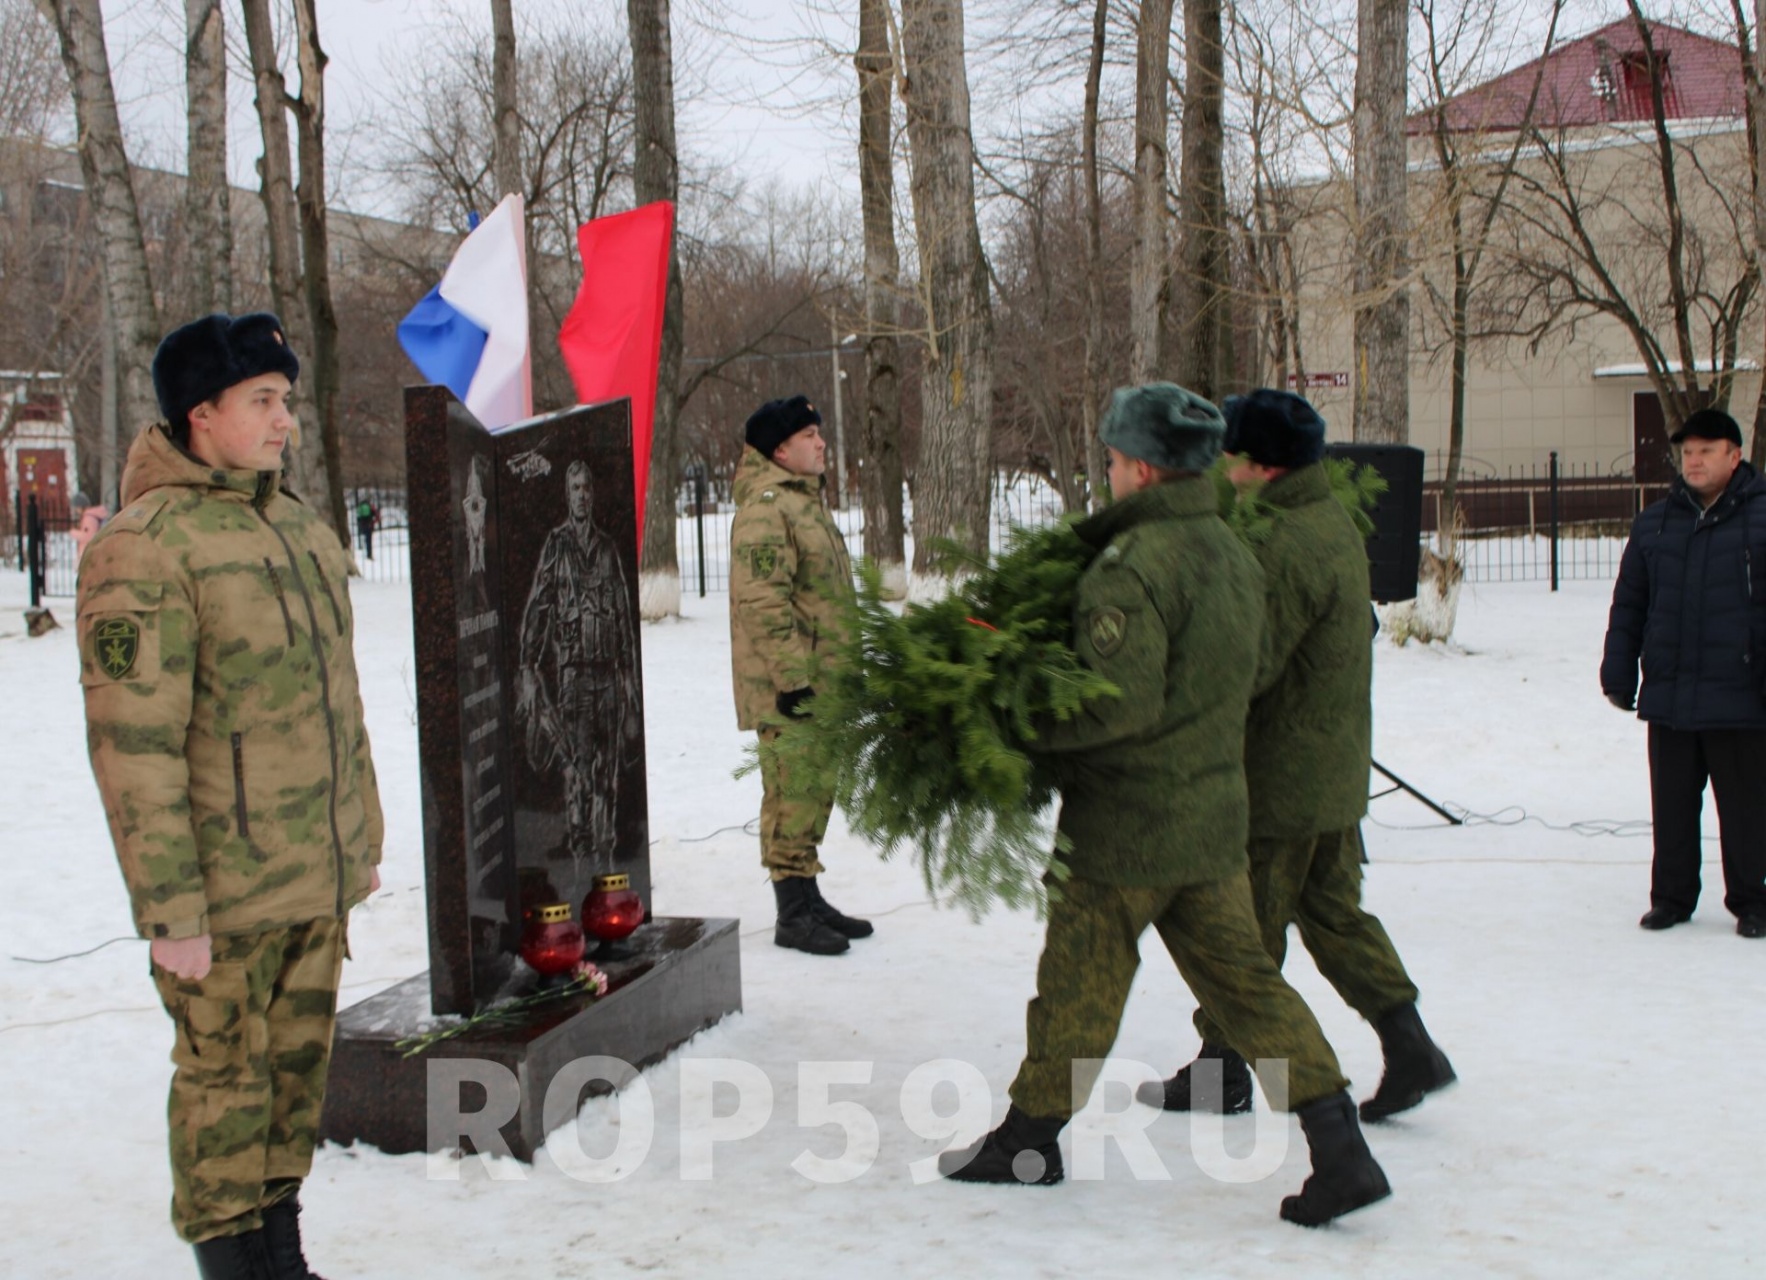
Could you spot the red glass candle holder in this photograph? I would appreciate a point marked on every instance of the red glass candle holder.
(610, 912)
(552, 943)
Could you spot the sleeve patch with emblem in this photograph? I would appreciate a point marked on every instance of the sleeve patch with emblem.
(764, 560)
(1107, 627)
(116, 642)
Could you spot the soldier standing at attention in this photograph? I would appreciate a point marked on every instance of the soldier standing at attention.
(1308, 749)
(1153, 800)
(790, 580)
(226, 735)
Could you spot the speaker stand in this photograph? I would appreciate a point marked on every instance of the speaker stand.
(1399, 784)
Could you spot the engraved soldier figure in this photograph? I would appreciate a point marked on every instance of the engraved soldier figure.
(576, 696)
(225, 728)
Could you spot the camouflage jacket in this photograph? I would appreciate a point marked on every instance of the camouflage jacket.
(790, 582)
(1153, 783)
(1309, 740)
(222, 710)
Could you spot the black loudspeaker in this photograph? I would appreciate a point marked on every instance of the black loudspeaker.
(1394, 549)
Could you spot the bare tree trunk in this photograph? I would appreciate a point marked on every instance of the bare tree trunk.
(1092, 392)
(104, 166)
(1149, 274)
(1201, 316)
(956, 384)
(309, 115)
(306, 457)
(506, 148)
(656, 176)
(1382, 300)
(880, 436)
(208, 220)
(1753, 60)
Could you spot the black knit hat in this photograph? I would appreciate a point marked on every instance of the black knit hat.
(1709, 424)
(777, 421)
(203, 358)
(1274, 428)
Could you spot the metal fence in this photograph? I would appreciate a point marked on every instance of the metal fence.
(702, 533)
(41, 540)
(1540, 524)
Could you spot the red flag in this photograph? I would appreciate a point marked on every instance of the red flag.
(612, 338)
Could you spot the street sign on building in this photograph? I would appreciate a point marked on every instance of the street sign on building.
(1316, 381)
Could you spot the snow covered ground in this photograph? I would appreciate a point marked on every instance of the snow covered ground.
(1608, 1121)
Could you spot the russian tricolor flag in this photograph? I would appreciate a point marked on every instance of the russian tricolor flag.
(469, 333)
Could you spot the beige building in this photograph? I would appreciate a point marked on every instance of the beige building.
(1553, 366)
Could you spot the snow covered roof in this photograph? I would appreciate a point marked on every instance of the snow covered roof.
(1641, 370)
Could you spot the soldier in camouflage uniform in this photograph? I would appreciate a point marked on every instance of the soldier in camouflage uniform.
(579, 708)
(1153, 802)
(790, 583)
(225, 729)
(1308, 747)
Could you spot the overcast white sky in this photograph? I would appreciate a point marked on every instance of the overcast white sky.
(764, 86)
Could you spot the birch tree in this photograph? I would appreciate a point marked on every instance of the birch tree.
(1092, 389)
(315, 239)
(208, 218)
(505, 115)
(880, 433)
(1381, 376)
(104, 166)
(953, 475)
(306, 456)
(656, 176)
(1149, 273)
(1202, 314)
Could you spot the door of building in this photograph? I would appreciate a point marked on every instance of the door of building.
(44, 473)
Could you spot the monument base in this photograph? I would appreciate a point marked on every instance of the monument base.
(683, 975)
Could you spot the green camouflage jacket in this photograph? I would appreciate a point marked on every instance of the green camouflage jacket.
(222, 711)
(1153, 783)
(1308, 743)
(790, 581)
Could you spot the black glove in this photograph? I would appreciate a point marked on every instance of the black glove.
(789, 702)
(1625, 702)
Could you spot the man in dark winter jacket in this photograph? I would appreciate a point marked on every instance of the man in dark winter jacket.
(1690, 602)
(1153, 803)
(1307, 754)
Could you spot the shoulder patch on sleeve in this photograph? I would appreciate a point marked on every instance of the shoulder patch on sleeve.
(1106, 628)
(763, 560)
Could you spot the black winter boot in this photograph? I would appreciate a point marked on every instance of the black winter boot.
(282, 1241)
(845, 926)
(1022, 1149)
(1232, 1097)
(1415, 1066)
(241, 1257)
(799, 927)
(1345, 1175)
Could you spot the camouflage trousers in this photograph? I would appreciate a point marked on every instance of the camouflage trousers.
(253, 1042)
(792, 825)
(1089, 959)
(1315, 882)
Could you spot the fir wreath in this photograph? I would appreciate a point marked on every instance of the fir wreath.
(924, 721)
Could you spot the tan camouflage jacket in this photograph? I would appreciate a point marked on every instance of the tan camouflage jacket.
(790, 580)
(222, 710)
